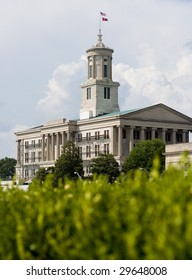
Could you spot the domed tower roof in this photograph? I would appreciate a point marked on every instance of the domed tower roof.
(99, 45)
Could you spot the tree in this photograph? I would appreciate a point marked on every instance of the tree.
(7, 167)
(42, 172)
(107, 165)
(143, 154)
(69, 164)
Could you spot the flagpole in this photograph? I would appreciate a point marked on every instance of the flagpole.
(99, 23)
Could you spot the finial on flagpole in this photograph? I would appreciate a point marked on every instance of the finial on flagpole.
(102, 17)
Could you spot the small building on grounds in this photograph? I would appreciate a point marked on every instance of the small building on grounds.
(101, 126)
(174, 152)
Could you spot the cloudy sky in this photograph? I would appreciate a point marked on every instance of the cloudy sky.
(43, 57)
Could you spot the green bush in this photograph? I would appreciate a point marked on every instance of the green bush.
(136, 217)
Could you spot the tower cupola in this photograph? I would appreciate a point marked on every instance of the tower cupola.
(99, 93)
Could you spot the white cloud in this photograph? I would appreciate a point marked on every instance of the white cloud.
(8, 141)
(148, 85)
(63, 94)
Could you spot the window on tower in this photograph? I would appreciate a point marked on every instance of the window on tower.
(105, 72)
(106, 93)
(89, 93)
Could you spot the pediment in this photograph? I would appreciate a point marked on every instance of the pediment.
(158, 113)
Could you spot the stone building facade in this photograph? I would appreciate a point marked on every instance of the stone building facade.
(102, 127)
(174, 154)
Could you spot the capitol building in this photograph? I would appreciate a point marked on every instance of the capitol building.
(101, 126)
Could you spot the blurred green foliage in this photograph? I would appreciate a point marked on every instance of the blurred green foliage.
(143, 153)
(68, 164)
(7, 168)
(105, 164)
(136, 217)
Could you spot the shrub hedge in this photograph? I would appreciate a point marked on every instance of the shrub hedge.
(136, 217)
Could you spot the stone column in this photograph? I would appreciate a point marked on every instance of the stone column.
(153, 133)
(43, 148)
(68, 135)
(120, 138)
(184, 138)
(48, 147)
(102, 67)
(93, 67)
(19, 151)
(130, 138)
(142, 133)
(88, 64)
(52, 147)
(57, 145)
(174, 136)
(163, 134)
(112, 140)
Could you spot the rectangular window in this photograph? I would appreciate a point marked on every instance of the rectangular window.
(90, 70)
(80, 151)
(39, 156)
(106, 148)
(79, 137)
(26, 173)
(32, 172)
(26, 144)
(88, 136)
(88, 151)
(33, 143)
(105, 71)
(26, 157)
(32, 156)
(106, 93)
(97, 135)
(97, 150)
(89, 93)
(39, 142)
(106, 134)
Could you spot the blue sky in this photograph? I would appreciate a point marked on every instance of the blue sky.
(43, 57)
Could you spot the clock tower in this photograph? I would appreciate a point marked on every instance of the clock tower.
(100, 92)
